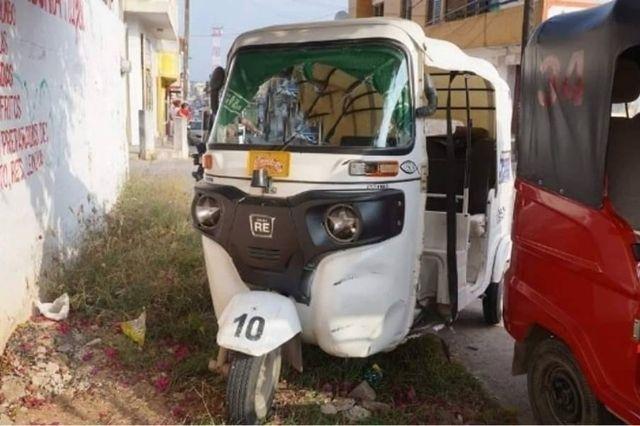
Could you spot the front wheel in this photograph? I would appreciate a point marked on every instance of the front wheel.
(558, 392)
(251, 386)
(492, 304)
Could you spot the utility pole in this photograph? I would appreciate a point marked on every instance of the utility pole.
(528, 22)
(406, 9)
(185, 64)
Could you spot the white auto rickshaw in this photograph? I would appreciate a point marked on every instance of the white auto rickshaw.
(357, 191)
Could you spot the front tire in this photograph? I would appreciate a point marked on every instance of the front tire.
(251, 386)
(558, 392)
(492, 304)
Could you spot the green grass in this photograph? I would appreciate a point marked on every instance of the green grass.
(148, 257)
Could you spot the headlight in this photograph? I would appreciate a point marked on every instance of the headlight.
(343, 223)
(207, 212)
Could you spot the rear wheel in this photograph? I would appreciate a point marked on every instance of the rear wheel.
(492, 304)
(558, 392)
(251, 386)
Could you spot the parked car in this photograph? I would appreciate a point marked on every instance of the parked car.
(196, 132)
(572, 299)
(317, 217)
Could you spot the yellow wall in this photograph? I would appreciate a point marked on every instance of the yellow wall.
(500, 28)
(168, 65)
(168, 73)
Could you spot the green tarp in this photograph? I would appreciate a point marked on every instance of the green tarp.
(377, 63)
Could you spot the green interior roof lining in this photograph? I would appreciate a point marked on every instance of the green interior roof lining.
(378, 63)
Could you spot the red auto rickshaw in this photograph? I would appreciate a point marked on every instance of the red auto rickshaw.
(572, 294)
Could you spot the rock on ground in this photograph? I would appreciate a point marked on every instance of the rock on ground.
(375, 406)
(343, 404)
(363, 392)
(357, 413)
(328, 409)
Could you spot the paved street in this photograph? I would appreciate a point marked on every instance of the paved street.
(486, 352)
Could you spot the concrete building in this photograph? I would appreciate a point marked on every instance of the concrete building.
(153, 53)
(63, 140)
(490, 29)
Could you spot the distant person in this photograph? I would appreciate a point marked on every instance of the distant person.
(184, 111)
(173, 113)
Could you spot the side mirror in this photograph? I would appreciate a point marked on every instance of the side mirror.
(432, 100)
(216, 83)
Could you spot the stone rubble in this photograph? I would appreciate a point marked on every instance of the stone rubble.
(37, 372)
(363, 392)
(357, 413)
(358, 406)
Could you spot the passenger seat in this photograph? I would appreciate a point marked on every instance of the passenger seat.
(623, 154)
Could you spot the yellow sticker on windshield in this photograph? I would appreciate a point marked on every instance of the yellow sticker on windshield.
(275, 162)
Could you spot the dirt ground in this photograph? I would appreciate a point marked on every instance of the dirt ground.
(59, 373)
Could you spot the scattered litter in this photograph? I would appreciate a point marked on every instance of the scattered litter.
(136, 329)
(357, 414)
(57, 310)
(363, 392)
(343, 404)
(328, 409)
(373, 375)
(473, 348)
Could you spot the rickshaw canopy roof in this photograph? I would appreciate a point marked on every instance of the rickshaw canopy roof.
(568, 75)
(401, 30)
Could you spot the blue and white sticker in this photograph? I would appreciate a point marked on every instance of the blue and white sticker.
(504, 171)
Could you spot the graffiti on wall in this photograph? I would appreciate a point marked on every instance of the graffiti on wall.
(23, 145)
(70, 11)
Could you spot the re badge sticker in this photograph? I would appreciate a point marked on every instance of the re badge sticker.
(504, 172)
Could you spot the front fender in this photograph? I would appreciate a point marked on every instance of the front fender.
(502, 259)
(257, 322)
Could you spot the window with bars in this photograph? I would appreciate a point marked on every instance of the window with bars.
(460, 9)
(434, 11)
(378, 9)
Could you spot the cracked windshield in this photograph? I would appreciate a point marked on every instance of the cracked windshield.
(343, 96)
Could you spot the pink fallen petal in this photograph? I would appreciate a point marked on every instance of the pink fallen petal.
(64, 328)
(178, 411)
(163, 366)
(111, 353)
(161, 384)
(412, 397)
(180, 352)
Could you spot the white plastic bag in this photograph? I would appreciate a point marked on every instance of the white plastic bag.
(56, 310)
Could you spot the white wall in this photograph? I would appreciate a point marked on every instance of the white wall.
(135, 29)
(65, 63)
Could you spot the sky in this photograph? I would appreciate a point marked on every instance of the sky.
(237, 16)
